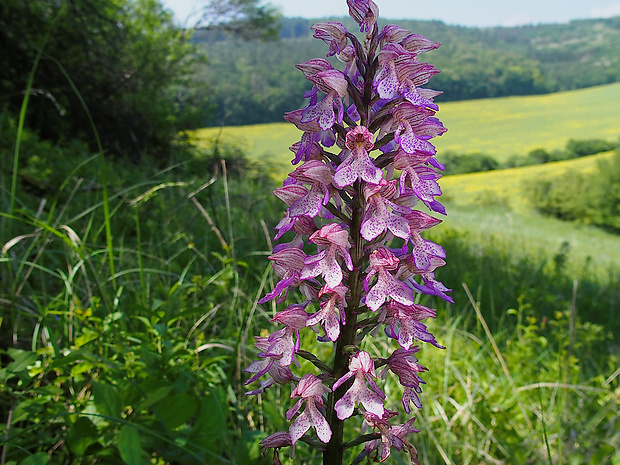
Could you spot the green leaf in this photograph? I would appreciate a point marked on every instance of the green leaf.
(154, 391)
(107, 400)
(210, 427)
(21, 360)
(602, 454)
(176, 410)
(129, 446)
(86, 336)
(40, 458)
(82, 435)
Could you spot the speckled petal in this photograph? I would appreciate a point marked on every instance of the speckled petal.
(299, 427)
(344, 407)
(323, 431)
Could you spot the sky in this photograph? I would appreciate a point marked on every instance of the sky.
(479, 13)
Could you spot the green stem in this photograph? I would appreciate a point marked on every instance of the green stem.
(333, 454)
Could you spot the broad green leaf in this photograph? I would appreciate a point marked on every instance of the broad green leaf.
(82, 435)
(21, 360)
(40, 458)
(176, 409)
(210, 427)
(129, 446)
(86, 336)
(154, 391)
(602, 454)
(107, 400)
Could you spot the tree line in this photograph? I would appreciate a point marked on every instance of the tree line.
(120, 71)
(256, 82)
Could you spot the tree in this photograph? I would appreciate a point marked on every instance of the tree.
(246, 19)
(125, 60)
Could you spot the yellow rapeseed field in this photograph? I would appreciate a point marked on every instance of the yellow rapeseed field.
(505, 187)
(500, 127)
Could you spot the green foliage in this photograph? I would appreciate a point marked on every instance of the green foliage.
(591, 198)
(582, 148)
(476, 161)
(242, 19)
(255, 82)
(125, 58)
(137, 366)
(470, 163)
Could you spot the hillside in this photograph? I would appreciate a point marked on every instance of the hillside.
(500, 127)
(256, 82)
(493, 203)
(505, 187)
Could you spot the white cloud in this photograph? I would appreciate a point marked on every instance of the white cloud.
(518, 20)
(606, 11)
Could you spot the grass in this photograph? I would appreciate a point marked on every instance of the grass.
(508, 126)
(100, 363)
(501, 127)
(139, 359)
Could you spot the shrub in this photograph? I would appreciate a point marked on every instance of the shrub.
(468, 163)
(582, 148)
(590, 198)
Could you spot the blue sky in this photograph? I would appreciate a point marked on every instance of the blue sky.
(482, 13)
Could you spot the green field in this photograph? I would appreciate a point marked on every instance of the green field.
(505, 187)
(501, 127)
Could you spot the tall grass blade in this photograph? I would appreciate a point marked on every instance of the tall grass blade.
(498, 354)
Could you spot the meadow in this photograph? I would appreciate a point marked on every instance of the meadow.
(128, 313)
(501, 127)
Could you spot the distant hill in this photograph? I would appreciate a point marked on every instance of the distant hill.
(256, 82)
(500, 127)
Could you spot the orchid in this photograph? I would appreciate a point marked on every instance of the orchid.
(353, 242)
(362, 368)
(310, 389)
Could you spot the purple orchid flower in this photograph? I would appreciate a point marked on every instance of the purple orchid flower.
(358, 165)
(333, 34)
(378, 217)
(325, 263)
(311, 390)
(391, 436)
(287, 263)
(330, 310)
(387, 286)
(276, 440)
(365, 12)
(362, 368)
(268, 364)
(405, 326)
(345, 207)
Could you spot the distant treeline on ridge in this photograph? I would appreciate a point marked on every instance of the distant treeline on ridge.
(255, 82)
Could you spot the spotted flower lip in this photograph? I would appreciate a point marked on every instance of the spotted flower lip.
(387, 285)
(335, 239)
(378, 216)
(362, 368)
(310, 390)
(358, 165)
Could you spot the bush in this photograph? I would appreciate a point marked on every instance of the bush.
(590, 198)
(468, 163)
(583, 148)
